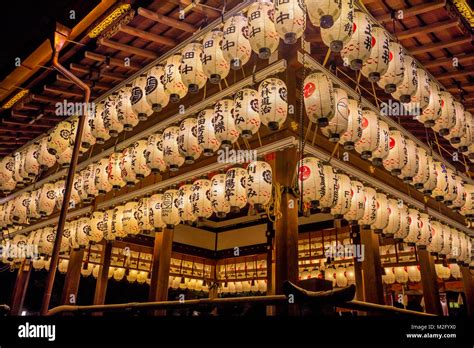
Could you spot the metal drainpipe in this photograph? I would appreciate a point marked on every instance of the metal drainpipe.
(70, 176)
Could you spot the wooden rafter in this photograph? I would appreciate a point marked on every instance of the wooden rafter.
(127, 48)
(415, 10)
(430, 28)
(162, 40)
(58, 90)
(181, 25)
(197, 7)
(92, 84)
(35, 125)
(113, 61)
(91, 71)
(462, 58)
(455, 74)
(439, 45)
(44, 99)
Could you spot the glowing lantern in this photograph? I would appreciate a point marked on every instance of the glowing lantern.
(143, 215)
(246, 112)
(409, 84)
(99, 125)
(63, 265)
(128, 175)
(311, 180)
(354, 125)
(289, 20)
(383, 144)
(263, 36)
(97, 227)
(169, 208)
(102, 182)
(87, 139)
(47, 199)
(433, 111)
(155, 90)
(447, 241)
(411, 167)
(48, 236)
(467, 135)
(125, 112)
(45, 159)
(214, 64)
(38, 263)
(382, 214)
(223, 123)
(236, 188)
(414, 274)
(88, 181)
(220, 204)
(424, 235)
(441, 188)
(192, 74)
(447, 120)
(328, 197)
(319, 99)
(20, 204)
(116, 223)
(395, 72)
(323, 13)
(58, 139)
(139, 163)
(437, 238)
(339, 34)
(201, 198)
(172, 80)
(185, 207)
(130, 218)
(459, 199)
(341, 279)
(83, 231)
(273, 102)
(32, 166)
(420, 100)
(358, 49)
(430, 184)
(455, 270)
(342, 196)
(33, 207)
(414, 226)
(259, 184)
(154, 153)
(206, 136)
(423, 173)
(110, 116)
(78, 193)
(468, 209)
(7, 181)
(397, 156)
(338, 123)
(114, 170)
(456, 132)
(155, 205)
(393, 225)
(171, 154)
(236, 46)
(377, 64)
(138, 100)
(188, 141)
(401, 275)
(370, 130)
(357, 206)
(69, 233)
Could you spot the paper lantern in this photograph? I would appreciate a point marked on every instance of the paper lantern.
(99, 125)
(420, 100)
(357, 49)
(169, 208)
(224, 124)
(125, 111)
(273, 102)
(48, 235)
(467, 136)
(357, 206)
(87, 269)
(201, 198)
(114, 170)
(414, 227)
(7, 181)
(323, 13)
(185, 207)
(206, 136)
(451, 188)
(83, 231)
(69, 234)
(214, 64)
(370, 130)
(447, 241)
(398, 155)
(430, 184)
(441, 189)
(45, 159)
(342, 196)
(236, 188)
(319, 99)
(130, 221)
(132, 276)
(38, 263)
(447, 120)
(468, 209)
(290, 20)
(128, 174)
(459, 191)
(171, 154)
(235, 45)
(337, 124)
(192, 74)
(414, 274)
(97, 227)
(63, 265)
(78, 191)
(455, 270)
(172, 81)
(456, 132)
(220, 204)
(111, 117)
(341, 280)
(47, 199)
(409, 84)
(33, 210)
(116, 224)
(437, 238)
(423, 173)
(328, 197)
(382, 213)
(188, 141)
(32, 166)
(396, 67)
(383, 144)
(20, 208)
(339, 34)
(95, 271)
(87, 139)
(311, 180)
(354, 125)
(138, 100)
(154, 153)
(259, 184)
(263, 36)
(102, 182)
(246, 112)
(377, 63)
(88, 182)
(424, 235)
(155, 203)
(155, 90)
(401, 275)
(411, 167)
(433, 111)
(143, 215)
(393, 224)
(139, 162)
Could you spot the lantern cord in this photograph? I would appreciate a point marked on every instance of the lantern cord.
(437, 143)
(328, 54)
(308, 130)
(275, 201)
(259, 139)
(226, 84)
(358, 82)
(204, 92)
(301, 116)
(243, 72)
(375, 96)
(314, 134)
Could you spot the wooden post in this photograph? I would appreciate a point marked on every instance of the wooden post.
(73, 277)
(164, 267)
(20, 288)
(103, 277)
(468, 285)
(152, 296)
(429, 282)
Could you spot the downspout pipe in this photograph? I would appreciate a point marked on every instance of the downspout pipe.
(60, 38)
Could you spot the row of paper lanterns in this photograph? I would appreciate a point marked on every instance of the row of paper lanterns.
(404, 274)
(343, 197)
(340, 276)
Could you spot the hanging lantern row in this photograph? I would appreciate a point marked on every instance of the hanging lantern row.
(188, 283)
(340, 276)
(401, 275)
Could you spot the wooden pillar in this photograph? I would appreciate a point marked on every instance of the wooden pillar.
(103, 276)
(164, 263)
(369, 271)
(429, 282)
(73, 277)
(359, 280)
(19, 290)
(213, 293)
(152, 296)
(468, 285)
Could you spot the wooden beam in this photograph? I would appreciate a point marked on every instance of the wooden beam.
(197, 7)
(23, 124)
(462, 58)
(17, 130)
(414, 10)
(455, 74)
(159, 39)
(52, 118)
(153, 292)
(45, 99)
(430, 28)
(429, 282)
(455, 89)
(58, 90)
(468, 285)
(127, 48)
(93, 72)
(439, 45)
(73, 277)
(103, 276)
(113, 61)
(171, 22)
(164, 263)
(92, 84)
(20, 288)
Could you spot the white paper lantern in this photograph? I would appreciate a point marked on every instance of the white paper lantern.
(455, 270)
(423, 173)
(188, 141)
(328, 197)
(368, 141)
(409, 84)
(236, 188)
(138, 100)
(401, 275)
(437, 238)
(117, 227)
(201, 198)
(98, 227)
(169, 208)
(441, 188)
(354, 125)
(86, 270)
(430, 184)
(246, 112)
(341, 280)
(130, 221)
(394, 216)
(342, 196)
(383, 144)
(339, 34)
(102, 182)
(224, 124)
(98, 125)
(358, 49)
(172, 80)
(235, 45)
(433, 111)
(273, 102)
(319, 99)
(459, 199)
(447, 241)
(128, 175)
(424, 236)
(398, 155)
(447, 120)
(214, 64)
(382, 214)
(388, 278)
(58, 139)
(83, 231)
(420, 100)
(263, 36)
(185, 207)
(155, 90)
(125, 112)
(220, 204)
(259, 184)
(323, 13)
(468, 209)
(155, 203)
(337, 124)
(145, 220)
(358, 202)
(111, 117)
(33, 208)
(63, 265)
(290, 19)
(88, 182)
(154, 153)
(20, 206)
(311, 180)
(414, 274)
(414, 227)
(171, 153)
(396, 68)
(32, 166)
(455, 132)
(139, 162)
(467, 136)
(47, 199)
(78, 193)
(411, 167)
(45, 159)
(377, 64)
(114, 170)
